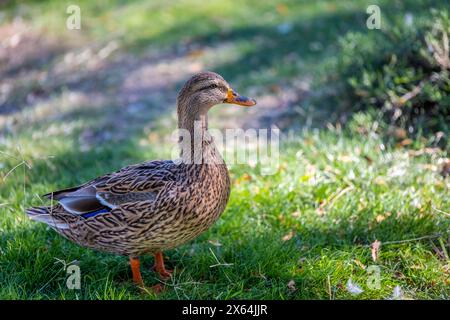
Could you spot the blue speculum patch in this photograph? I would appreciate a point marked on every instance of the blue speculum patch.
(91, 214)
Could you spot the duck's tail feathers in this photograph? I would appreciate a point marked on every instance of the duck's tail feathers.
(43, 214)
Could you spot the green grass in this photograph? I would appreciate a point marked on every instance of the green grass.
(299, 234)
(326, 195)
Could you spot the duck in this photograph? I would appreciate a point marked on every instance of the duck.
(157, 205)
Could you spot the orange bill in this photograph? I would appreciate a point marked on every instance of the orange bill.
(235, 98)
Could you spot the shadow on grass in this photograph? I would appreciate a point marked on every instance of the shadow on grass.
(276, 55)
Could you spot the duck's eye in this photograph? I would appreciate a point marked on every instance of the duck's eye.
(210, 87)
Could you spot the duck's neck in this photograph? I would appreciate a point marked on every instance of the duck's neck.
(196, 144)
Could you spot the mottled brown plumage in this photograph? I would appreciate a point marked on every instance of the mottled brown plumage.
(156, 205)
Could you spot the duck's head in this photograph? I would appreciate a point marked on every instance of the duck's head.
(206, 89)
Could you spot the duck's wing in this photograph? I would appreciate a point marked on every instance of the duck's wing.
(140, 182)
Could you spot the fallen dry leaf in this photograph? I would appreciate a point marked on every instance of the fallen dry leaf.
(375, 248)
(445, 171)
(380, 181)
(153, 137)
(439, 252)
(405, 142)
(360, 264)
(345, 158)
(368, 159)
(296, 214)
(400, 133)
(288, 236)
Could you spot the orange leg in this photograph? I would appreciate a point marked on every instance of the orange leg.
(137, 278)
(159, 266)
(136, 270)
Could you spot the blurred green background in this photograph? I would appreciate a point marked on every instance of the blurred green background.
(364, 116)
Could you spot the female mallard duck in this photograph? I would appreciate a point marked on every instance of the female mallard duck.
(155, 205)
